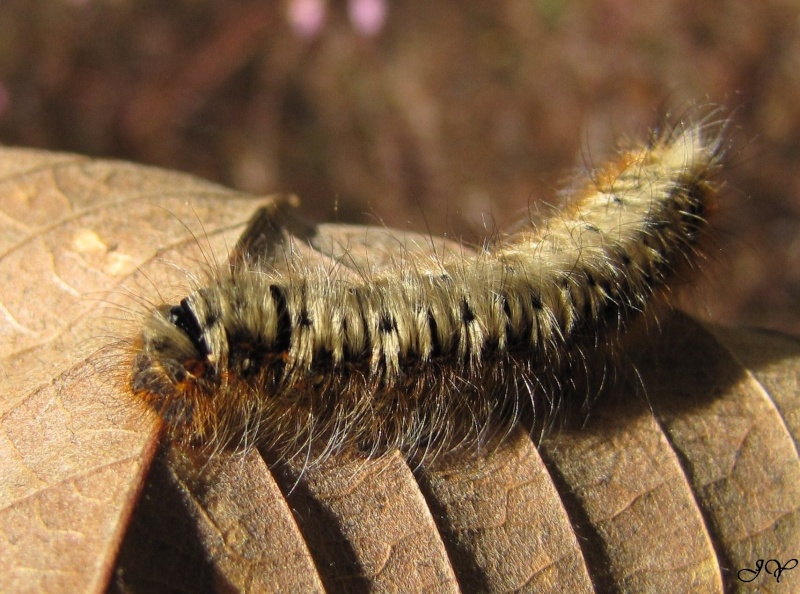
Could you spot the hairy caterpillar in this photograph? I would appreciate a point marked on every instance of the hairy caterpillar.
(422, 351)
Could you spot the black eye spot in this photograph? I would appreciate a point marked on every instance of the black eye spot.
(467, 315)
(387, 324)
(183, 317)
(433, 328)
(284, 335)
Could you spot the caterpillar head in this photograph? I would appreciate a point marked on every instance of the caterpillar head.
(175, 369)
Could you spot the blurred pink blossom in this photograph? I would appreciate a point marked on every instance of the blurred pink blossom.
(367, 16)
(306, 17)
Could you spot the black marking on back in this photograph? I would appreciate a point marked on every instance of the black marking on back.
(284, 335)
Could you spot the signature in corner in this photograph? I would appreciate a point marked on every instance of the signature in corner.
(772, 567)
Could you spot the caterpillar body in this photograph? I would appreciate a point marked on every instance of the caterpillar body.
(419, 350)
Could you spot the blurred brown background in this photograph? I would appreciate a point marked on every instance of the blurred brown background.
(448, 116)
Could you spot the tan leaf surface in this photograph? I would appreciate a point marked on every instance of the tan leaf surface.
(674, 487)
(76, 236)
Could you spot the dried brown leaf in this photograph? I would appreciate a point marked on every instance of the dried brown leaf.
(73, 450)
(673, 488)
